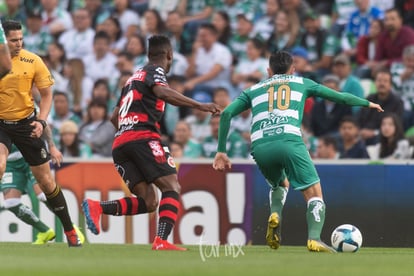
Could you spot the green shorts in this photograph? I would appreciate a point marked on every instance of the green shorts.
(17, 176)
(280, 159)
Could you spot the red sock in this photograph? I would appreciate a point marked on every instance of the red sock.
(126, 206)
(168, 211)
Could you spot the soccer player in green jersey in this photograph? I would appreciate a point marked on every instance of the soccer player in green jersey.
(277, 146)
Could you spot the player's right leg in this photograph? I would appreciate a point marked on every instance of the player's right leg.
(315, 217)
(277, 199)
(57, 201)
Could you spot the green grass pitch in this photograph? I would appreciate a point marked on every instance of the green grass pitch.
(110, 259)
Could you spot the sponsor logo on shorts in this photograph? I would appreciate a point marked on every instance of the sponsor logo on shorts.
(43, 153)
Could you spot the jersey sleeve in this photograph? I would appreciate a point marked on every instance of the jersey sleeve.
(155, 75)
(43, 78)
(322, 91)
(236, 107)
(2, 35)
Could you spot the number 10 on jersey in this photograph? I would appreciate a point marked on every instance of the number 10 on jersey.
(282, 97)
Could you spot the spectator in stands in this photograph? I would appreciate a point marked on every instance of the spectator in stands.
(199, 120)
(55, 18)
(254, 65)
(406, 9)
(351, 146)
(36, 39)
(296, 9)
(70, 144)
(101, 90)
(176, 149)
(301, 61)
(392, 143)
(78, 41)
(60, 113)
(221, 97)
(77, 84)
(341, 13)
(263, 26)
(128, 18)
(327, 148)
(56, 59)
(286, 33)
(236, 145)
(162, 6)
(100, 64)
(365, 51)
(240, 37)
(393, 39)
(14, 11)
(210, 63)
(403, 81)
(112, 27)
(152, 24)
(326, 115)
(342, 68)
(181, 39)
(98, 11)
(358, 25)
(234, 8)
(183, 136)
(97, 131)
(195, 13)
(370, 121)
(221, 21)
(135, 46)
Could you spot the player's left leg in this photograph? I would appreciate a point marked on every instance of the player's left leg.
(168, 211)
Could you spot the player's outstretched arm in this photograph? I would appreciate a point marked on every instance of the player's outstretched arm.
(173, 97)
(376, 106)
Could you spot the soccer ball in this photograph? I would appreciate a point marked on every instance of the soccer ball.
(346, 238)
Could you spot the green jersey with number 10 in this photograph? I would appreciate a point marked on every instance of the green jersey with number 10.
(277, 107)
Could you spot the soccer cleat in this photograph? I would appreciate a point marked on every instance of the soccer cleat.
(73, 239)
(160, 244)
(319, 246)
(273, 231)
(92, 210)
(44, 237)
(79, 233)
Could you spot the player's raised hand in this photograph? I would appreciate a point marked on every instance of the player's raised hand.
(376, 106)
(221, 161)
(210, 107)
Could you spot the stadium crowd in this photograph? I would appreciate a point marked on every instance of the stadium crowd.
(364, 47)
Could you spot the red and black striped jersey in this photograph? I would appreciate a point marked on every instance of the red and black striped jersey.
(140, 110)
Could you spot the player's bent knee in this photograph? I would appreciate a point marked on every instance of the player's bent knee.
(151, 205)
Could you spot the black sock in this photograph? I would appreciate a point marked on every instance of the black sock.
(57, 201)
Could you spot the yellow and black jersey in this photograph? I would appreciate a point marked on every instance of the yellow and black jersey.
(16, 100)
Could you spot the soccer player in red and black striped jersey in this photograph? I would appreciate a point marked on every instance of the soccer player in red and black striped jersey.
(137, 151)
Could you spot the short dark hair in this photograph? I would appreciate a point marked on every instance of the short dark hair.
(329, 141)
(11, 25)
(158, 46)
(209, 26)
(349, 119)
(101, 35)
(280, 62)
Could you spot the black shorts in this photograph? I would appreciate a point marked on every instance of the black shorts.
(143, 161)
(34, 150)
